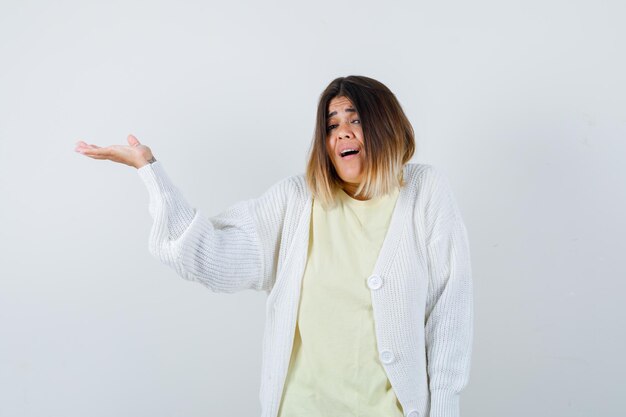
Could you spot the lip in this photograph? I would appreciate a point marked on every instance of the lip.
(354, 155)
(343, 148)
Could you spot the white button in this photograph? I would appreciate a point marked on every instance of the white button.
(374, 282)
(386, 356)
(413, 413)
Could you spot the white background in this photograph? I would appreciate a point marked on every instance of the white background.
(521, 103)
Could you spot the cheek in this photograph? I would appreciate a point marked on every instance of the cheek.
(359, 134)
(330, 146)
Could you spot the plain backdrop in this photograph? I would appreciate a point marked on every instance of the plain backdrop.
(521, 103)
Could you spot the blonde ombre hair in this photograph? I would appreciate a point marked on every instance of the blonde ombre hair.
(388, 139)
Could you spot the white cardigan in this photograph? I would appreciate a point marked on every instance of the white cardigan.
(421, 285)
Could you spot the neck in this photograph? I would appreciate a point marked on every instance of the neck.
(350, 189)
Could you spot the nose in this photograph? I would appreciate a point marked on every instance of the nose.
(344, 131)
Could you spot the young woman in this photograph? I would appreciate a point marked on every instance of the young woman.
(365, 260)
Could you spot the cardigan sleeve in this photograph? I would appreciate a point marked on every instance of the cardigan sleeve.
(449, 304)
(228, 252)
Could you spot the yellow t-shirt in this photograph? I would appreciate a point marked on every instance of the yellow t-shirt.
(335, 368)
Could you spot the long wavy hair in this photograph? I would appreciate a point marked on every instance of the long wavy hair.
(388, 139)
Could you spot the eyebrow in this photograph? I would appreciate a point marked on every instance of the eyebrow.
(349, 109)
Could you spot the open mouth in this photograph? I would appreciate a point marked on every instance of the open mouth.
(349, 152)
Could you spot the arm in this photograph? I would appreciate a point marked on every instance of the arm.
(449, 305)
(228, 252)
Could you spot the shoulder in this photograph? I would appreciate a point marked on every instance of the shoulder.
(298, 185)
(285, 191)
(294, 187)
(426, 177)
(433, 192)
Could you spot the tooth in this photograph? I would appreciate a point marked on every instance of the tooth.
(348, 150)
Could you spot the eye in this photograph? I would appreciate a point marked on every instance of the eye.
(331, 127)
(357, 121)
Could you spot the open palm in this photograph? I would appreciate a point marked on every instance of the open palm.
(134, 154)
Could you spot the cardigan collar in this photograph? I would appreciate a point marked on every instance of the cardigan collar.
(397, 224)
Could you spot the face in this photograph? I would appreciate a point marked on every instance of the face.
(344, 131)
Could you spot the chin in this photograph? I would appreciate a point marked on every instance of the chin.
(353, 176)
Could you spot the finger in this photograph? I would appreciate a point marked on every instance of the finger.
(96, 151)
(93, 155)
(86, 146)
(132, 140)
(97, 156)
(80, 145)
(81, 148)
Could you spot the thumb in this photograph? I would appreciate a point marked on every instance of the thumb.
(133, 141)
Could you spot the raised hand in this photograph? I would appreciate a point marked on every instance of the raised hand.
(134, 154)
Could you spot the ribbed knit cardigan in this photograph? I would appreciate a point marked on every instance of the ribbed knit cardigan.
(421, 285)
